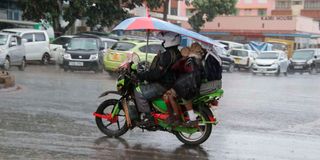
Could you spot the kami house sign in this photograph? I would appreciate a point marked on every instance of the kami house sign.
(277, 18)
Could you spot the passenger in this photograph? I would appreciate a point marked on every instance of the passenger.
(187, 86)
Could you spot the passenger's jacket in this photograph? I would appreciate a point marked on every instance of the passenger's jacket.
(160, 69)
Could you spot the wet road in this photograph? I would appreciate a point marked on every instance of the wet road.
(261, 117)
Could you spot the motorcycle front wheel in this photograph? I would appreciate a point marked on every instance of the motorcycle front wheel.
(204, 131)
(109, 128)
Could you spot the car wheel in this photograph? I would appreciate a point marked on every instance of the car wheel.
(45, 59)
(98, 70)
(278, 72)
(231, 68)
(313, 70)
(6, 65)
(23, 65)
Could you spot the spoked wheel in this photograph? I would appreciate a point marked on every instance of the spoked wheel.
(203, 133)
(114, 127)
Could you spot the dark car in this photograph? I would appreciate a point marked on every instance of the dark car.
(305, 60)
(227, 61)
(84, 52)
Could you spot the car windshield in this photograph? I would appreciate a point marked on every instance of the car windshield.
(3, 39)
(303, 54)
(239, 53)
(279, 46)
(83, 44)
(109, 43)
(268, 55)
(61, 40)
(123, 46)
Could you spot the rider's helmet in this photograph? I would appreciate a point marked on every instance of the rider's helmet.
(169, 39)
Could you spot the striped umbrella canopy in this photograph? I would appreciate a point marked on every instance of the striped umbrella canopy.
(154, 24)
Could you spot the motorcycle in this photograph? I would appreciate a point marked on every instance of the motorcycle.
(115, 116)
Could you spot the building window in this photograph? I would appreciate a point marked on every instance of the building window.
(262, 12)
(283, 4)
(13, 14)
(247, 12)
(262, 1)
(174, 11)
(189, 12)
(297, 3)
(312, 4)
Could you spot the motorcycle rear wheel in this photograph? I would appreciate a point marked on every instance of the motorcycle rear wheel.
(110, 129)
(201, 136)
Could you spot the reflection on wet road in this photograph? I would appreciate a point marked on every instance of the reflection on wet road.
(261, 117)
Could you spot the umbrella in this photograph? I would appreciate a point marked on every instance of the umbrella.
(154, 24)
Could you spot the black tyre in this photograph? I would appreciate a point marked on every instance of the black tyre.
(23, 65)
(231, 68)
(278, 72)
(108, 128)
(7, 64)
(65, 69)
(313, 70)
(45, 59)
(198, 137)
(98, 70)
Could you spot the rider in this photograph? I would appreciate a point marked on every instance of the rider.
(159, 76)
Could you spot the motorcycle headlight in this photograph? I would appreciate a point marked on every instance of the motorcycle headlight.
(67, 56)
(94, 57)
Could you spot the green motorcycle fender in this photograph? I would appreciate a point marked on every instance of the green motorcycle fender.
(160, 105)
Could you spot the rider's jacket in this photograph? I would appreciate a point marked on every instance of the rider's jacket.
(160, 69)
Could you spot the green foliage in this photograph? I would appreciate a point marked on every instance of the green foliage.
(206, 10)
(103, 12)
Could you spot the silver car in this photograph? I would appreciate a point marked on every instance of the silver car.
(12, 51)
(274, 62)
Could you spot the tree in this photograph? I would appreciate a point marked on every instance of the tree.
(155, 4)
(103, 12)
(206, 10)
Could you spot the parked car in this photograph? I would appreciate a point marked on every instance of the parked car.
(243, 58)
(274, 62)
(12, 51)
(117, 53)
(84, 52)
(56, 48)
(227, 61)
(37, 45)
(305, 60)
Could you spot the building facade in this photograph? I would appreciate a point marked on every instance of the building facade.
(255, 7)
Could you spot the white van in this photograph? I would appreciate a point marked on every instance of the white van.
(37, 46)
